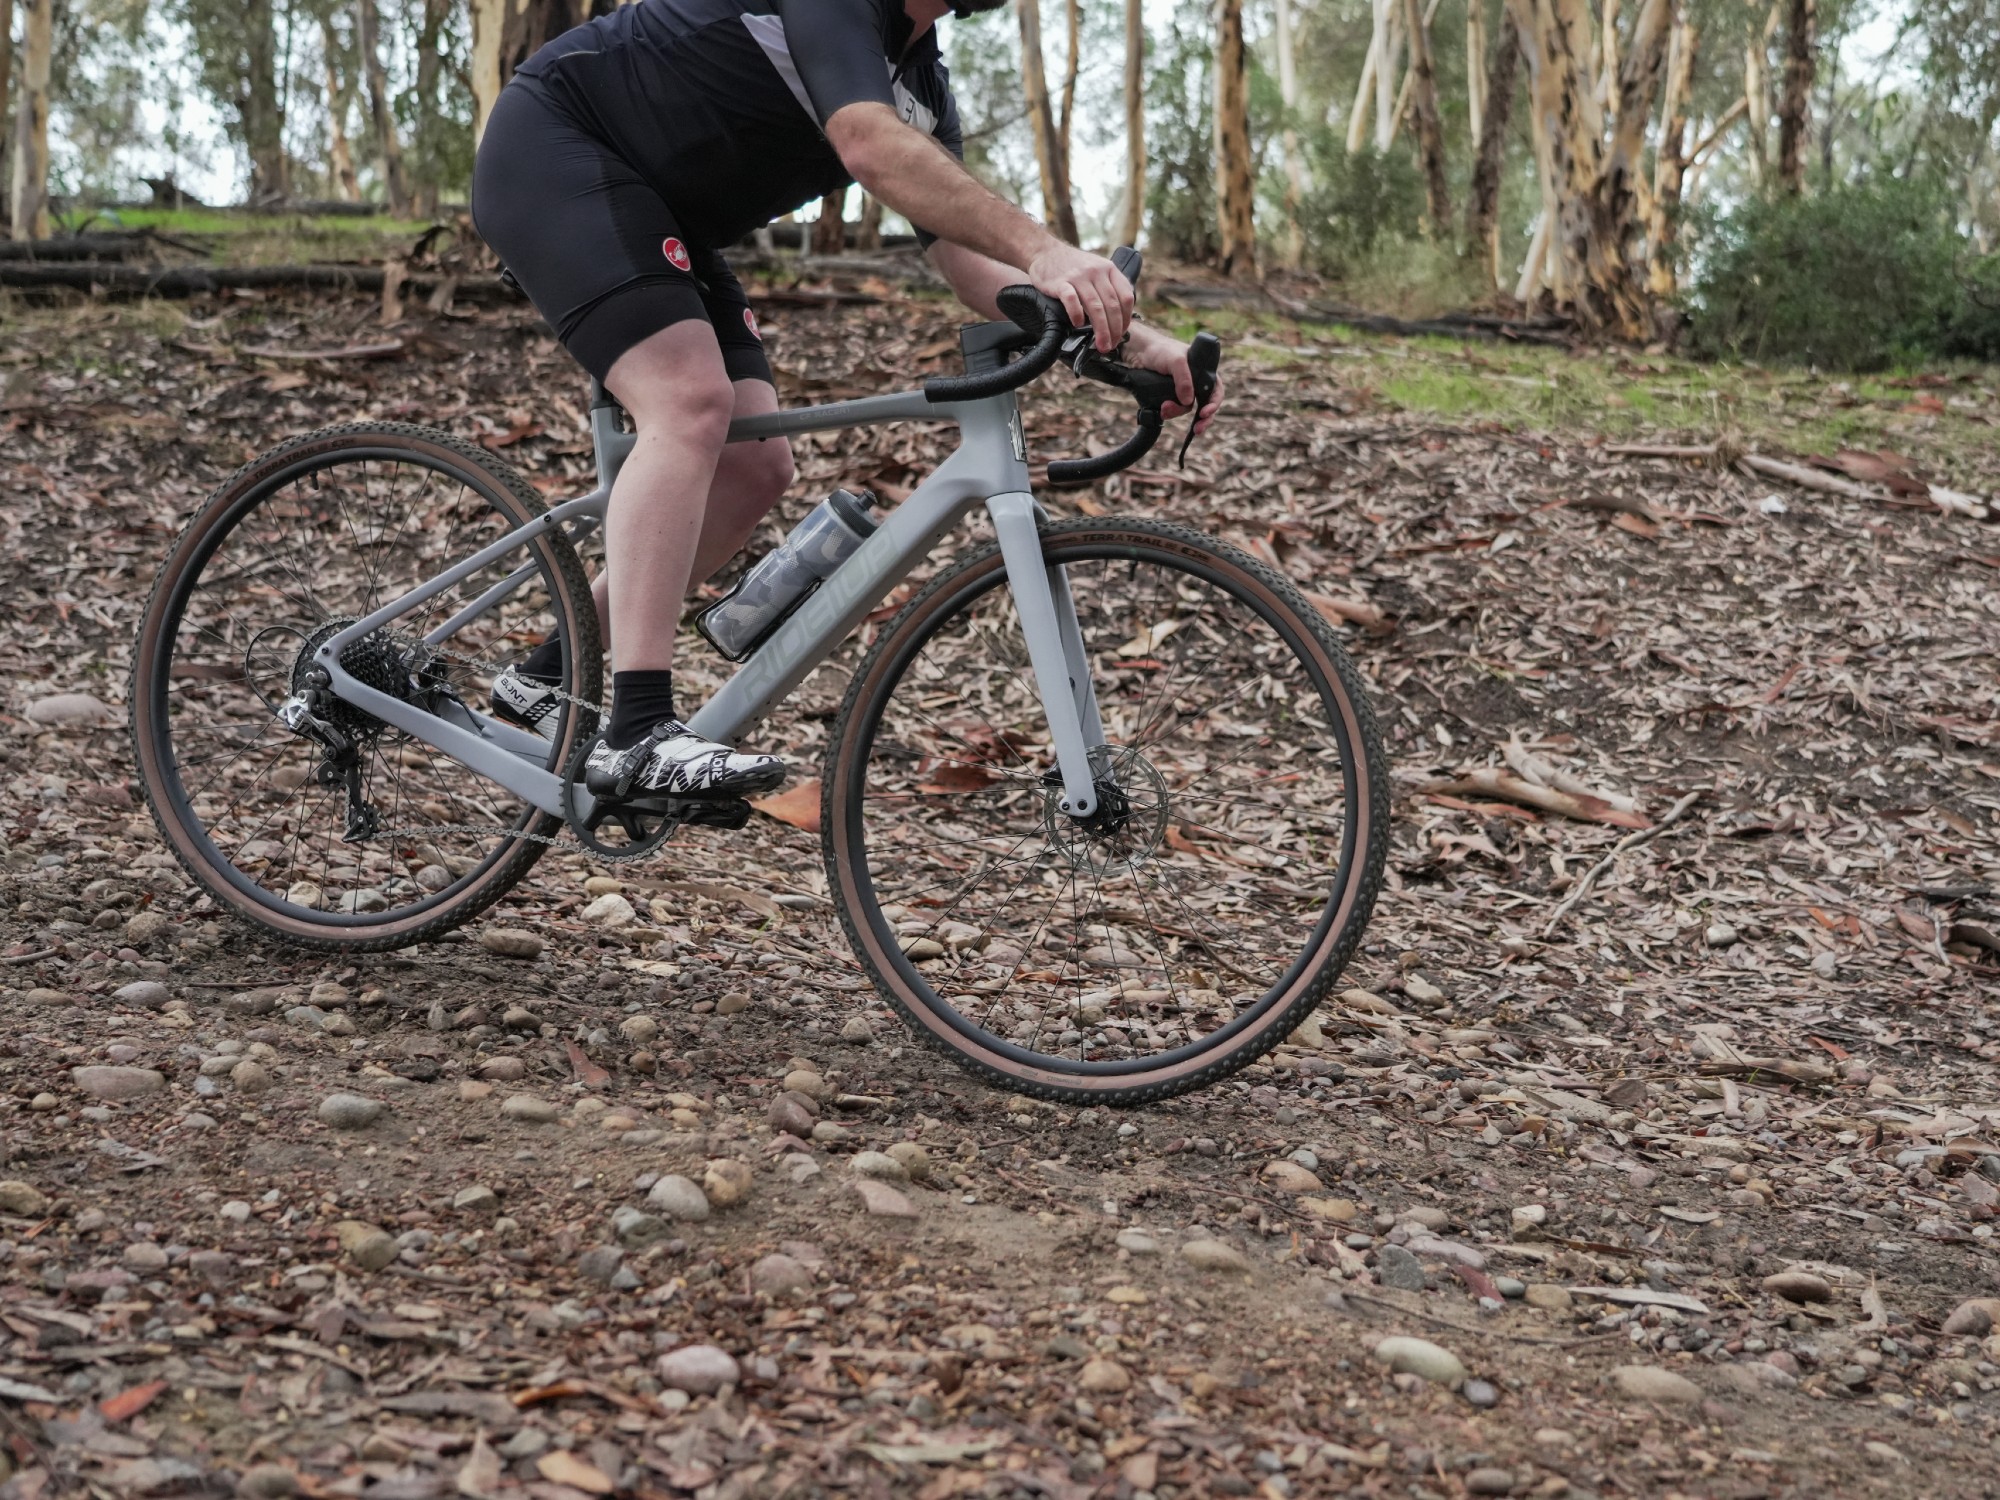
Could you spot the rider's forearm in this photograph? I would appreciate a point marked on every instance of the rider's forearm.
(976, 278)
(919, 179)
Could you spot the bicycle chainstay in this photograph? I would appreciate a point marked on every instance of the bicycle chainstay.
(483, 830)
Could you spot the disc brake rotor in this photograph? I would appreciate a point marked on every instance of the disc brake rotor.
(1128, 826)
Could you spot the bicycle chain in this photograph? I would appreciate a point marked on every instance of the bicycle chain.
(480, 830)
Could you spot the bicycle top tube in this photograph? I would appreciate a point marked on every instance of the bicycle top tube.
(898, 406)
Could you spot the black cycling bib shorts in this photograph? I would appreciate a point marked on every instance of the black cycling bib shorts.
(625, 152)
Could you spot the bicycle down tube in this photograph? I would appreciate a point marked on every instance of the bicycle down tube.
(989, 465)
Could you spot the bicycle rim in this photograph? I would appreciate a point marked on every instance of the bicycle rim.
(1185, 933)
(297, 545)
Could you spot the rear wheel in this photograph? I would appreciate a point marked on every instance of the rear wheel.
(1192, 923)
(294, 547)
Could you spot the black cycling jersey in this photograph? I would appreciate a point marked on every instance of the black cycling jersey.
(625, 153)
(720, 104)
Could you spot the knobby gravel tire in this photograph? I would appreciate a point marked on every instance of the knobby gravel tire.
(1357, 883)
(517, 503)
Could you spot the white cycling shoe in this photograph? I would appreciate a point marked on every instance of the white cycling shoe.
(526, 703)
(675, 761)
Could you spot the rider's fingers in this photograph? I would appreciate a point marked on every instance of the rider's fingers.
(1110, 320)
(1072, 304)
(1183, 383)
(1100, 316)
(1121, 291)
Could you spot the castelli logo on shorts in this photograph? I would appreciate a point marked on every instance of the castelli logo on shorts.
(750, 322)
(677, 253)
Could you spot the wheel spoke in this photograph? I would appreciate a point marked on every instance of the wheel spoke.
(1151, 932)
(299, 556)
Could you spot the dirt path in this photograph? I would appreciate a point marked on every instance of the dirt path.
(1573, 1113)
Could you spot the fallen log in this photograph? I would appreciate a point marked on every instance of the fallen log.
(1456, 325)
(195, 281)
(1704, 452)
(106, 245)
(1825, 483)
(1777, 1067)
(1450, 325)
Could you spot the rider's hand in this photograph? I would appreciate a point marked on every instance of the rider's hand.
(1149, 349)
(1089, 287)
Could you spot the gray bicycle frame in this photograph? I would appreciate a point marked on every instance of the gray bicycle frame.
(989, 465)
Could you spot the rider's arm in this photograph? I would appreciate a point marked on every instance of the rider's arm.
(836, 48)
(913, 174)
(977, 279)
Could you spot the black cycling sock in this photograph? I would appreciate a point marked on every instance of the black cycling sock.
(544, 663)
(639, 700)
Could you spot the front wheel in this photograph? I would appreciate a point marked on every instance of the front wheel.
(1210, 904)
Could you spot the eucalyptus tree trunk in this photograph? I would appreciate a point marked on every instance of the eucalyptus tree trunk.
(1800, 24)
(346, 183)
(1235, 210)
(869, 235)
(1388, 59)
(30, 200)
(829, 236)
(263, 121)
(366, 26)
(489, 74)
(1670, 160)
(1429, 126)
(1595, 180)
(1135, 123)
(1757, 97)
(505, 34)
(1075, 20)
(6, 66)
(1364, 91)
(1607, 47)
(1482, 209)
(1407, 93)
(1056, 207)
(1288, 91)
(1475, 70)
(429, 126)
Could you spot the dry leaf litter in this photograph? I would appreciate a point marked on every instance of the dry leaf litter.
(1649, 1150)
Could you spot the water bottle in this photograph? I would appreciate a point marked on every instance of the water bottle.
(739, 622)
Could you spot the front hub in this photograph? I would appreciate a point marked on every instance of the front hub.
(1128, 824)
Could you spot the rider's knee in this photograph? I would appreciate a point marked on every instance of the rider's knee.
(770, 467)
(696, 408)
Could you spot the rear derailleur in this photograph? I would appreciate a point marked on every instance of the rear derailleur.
(341, 764)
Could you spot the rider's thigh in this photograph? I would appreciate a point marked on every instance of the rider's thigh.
(675, 383)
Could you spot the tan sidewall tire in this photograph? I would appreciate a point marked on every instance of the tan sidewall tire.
(508, 493)
(1367, 813)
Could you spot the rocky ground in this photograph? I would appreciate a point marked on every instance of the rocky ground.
(1643, 1157)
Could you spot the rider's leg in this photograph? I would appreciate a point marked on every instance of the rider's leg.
(750, 478)
(657, 531)
(662, 522)
(680, 399)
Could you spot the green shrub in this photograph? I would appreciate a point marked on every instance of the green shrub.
(1356, 203)
(1852, 279)
(1973, 331)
